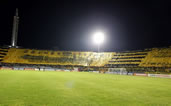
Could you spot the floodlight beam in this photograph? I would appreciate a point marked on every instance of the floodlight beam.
(98, 38)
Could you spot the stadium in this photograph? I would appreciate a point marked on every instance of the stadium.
(36, 77)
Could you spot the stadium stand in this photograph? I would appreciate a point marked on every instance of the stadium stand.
(158, 57)
(148, 59)
(28, 56)
(127, 59)
(3, 53)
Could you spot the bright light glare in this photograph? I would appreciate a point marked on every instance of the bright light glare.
(98, 37)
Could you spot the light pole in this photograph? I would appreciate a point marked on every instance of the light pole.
(98, 39)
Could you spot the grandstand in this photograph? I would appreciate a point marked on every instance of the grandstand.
(127, 59)
(3, 53)
(155, 59)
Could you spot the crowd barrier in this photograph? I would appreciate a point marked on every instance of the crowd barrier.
(29, 68)
(5, 68)
(159, 75)
(114, 72)
(130, 73)
(94, 71)
(117, 72)
(140, 74)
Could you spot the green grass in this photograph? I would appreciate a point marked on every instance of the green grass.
(31, 88)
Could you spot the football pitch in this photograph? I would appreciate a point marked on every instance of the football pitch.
(34, 88)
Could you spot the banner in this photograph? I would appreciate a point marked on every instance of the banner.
(6, 68)
(160, 75)
(29, 68)
(140, 74)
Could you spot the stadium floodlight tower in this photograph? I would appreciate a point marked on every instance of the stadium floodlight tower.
(15, 30)
(98, 39)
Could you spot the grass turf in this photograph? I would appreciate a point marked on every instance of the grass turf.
(31, 88)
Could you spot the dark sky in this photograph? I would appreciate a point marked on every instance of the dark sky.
(69, 24)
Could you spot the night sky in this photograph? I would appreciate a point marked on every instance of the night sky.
(69, 24)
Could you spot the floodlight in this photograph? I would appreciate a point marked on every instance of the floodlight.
(98, 37)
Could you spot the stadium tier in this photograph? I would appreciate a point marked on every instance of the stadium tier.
(28, 56)
(127, 59)
(155, 57)
(3, 53)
